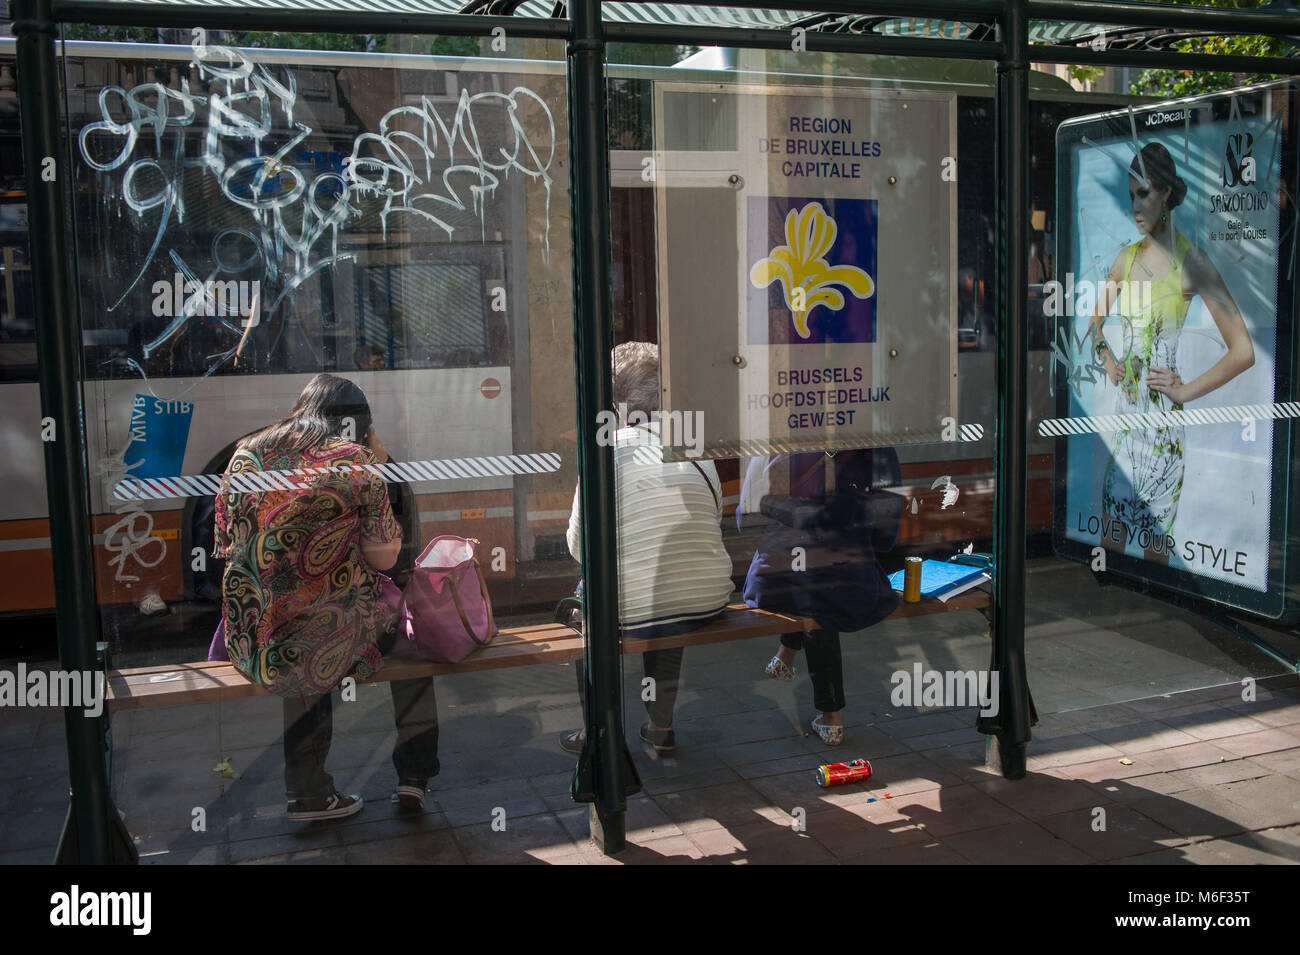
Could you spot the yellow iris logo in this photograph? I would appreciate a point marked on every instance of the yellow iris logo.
(806, 278)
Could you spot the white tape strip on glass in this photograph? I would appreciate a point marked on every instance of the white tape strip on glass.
(395, 472)
(1188, 417)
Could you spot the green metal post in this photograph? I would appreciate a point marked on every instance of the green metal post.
(93, 832)
(604, 758)
(1009, 728)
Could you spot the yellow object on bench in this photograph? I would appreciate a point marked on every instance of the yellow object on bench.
(177, 684)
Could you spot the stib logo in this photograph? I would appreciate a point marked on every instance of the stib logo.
(1238, 164)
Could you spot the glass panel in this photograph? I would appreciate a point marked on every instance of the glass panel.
(247, 220)
(823, 315)
(1161, 433)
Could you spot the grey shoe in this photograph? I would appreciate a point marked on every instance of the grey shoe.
(408, 795)
(573, 741)
(334, 806)
(664, 741)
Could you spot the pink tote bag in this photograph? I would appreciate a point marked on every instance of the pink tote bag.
(446, 611)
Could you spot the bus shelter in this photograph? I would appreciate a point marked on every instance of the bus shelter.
(825, 221)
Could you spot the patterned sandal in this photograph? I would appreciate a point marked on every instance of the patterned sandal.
(831, 735)
(778, 670)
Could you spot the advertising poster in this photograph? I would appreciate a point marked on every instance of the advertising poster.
(1167, 312)
(807, 265)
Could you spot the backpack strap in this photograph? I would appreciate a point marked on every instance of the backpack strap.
(717, 502)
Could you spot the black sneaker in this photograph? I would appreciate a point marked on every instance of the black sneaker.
(573, 741)
(664, 741)
(334, 806)
(408, 795)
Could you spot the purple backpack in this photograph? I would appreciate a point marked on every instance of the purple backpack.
(446, 613)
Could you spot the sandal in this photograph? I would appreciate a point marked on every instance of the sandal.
(831, 735)
(778, 670)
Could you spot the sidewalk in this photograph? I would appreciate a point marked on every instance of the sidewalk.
(1200, 777)
(1175, 775)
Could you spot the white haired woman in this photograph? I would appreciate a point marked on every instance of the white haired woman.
(674, 575)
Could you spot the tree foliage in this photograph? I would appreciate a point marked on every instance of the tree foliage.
(1170, 84)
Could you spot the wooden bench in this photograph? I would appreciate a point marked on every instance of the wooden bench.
(176, 684)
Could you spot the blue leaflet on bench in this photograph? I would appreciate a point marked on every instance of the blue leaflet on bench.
(938, 576)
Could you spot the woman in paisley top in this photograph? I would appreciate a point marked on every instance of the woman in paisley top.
(306, 528)
(1144, 479)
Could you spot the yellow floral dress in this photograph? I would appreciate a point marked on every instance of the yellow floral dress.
(1145, 476)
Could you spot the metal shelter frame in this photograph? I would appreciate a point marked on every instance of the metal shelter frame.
(998, 31)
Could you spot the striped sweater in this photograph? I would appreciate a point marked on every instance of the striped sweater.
(672, 566)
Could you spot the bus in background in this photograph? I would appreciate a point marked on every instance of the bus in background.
(224, 258)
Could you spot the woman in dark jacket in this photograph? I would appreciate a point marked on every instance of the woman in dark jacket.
(823, 518)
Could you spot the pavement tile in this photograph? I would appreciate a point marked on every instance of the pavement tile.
(918, 853)
(17, 736)
(493, 793)
(1015, 843)
(925, 725)
(552, 784)
(845, 834)
(961, 809)
(1176, 856)
(1287, 838)
(35, 829)
(432, 848)
(1039, 795)
(1127, 791)
(1268, 801)
(1265, 741)
(1159, 705)
(506, 812)
(312, 836)
(808, 762)
(393, 827)
(788, 790)
(201, 855)
(762, 751)
(329, 855)
(525, 841)
(1142, 737)
(1127, 832)
(40, 856)
(1213, 724)
(713, 807)
(909, 774)
(1277, 712)
(667, 784)
(1075, 749)
(1195, 813)
(770, 844)
(967, 763)
(1091, 718)
(1249, 848)
(1286, 762)
(958, 737)
(1181, 757)
(673, 850)
(1228, 771)
(646, 821)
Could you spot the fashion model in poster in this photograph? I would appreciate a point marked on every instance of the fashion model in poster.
(1151, 284)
